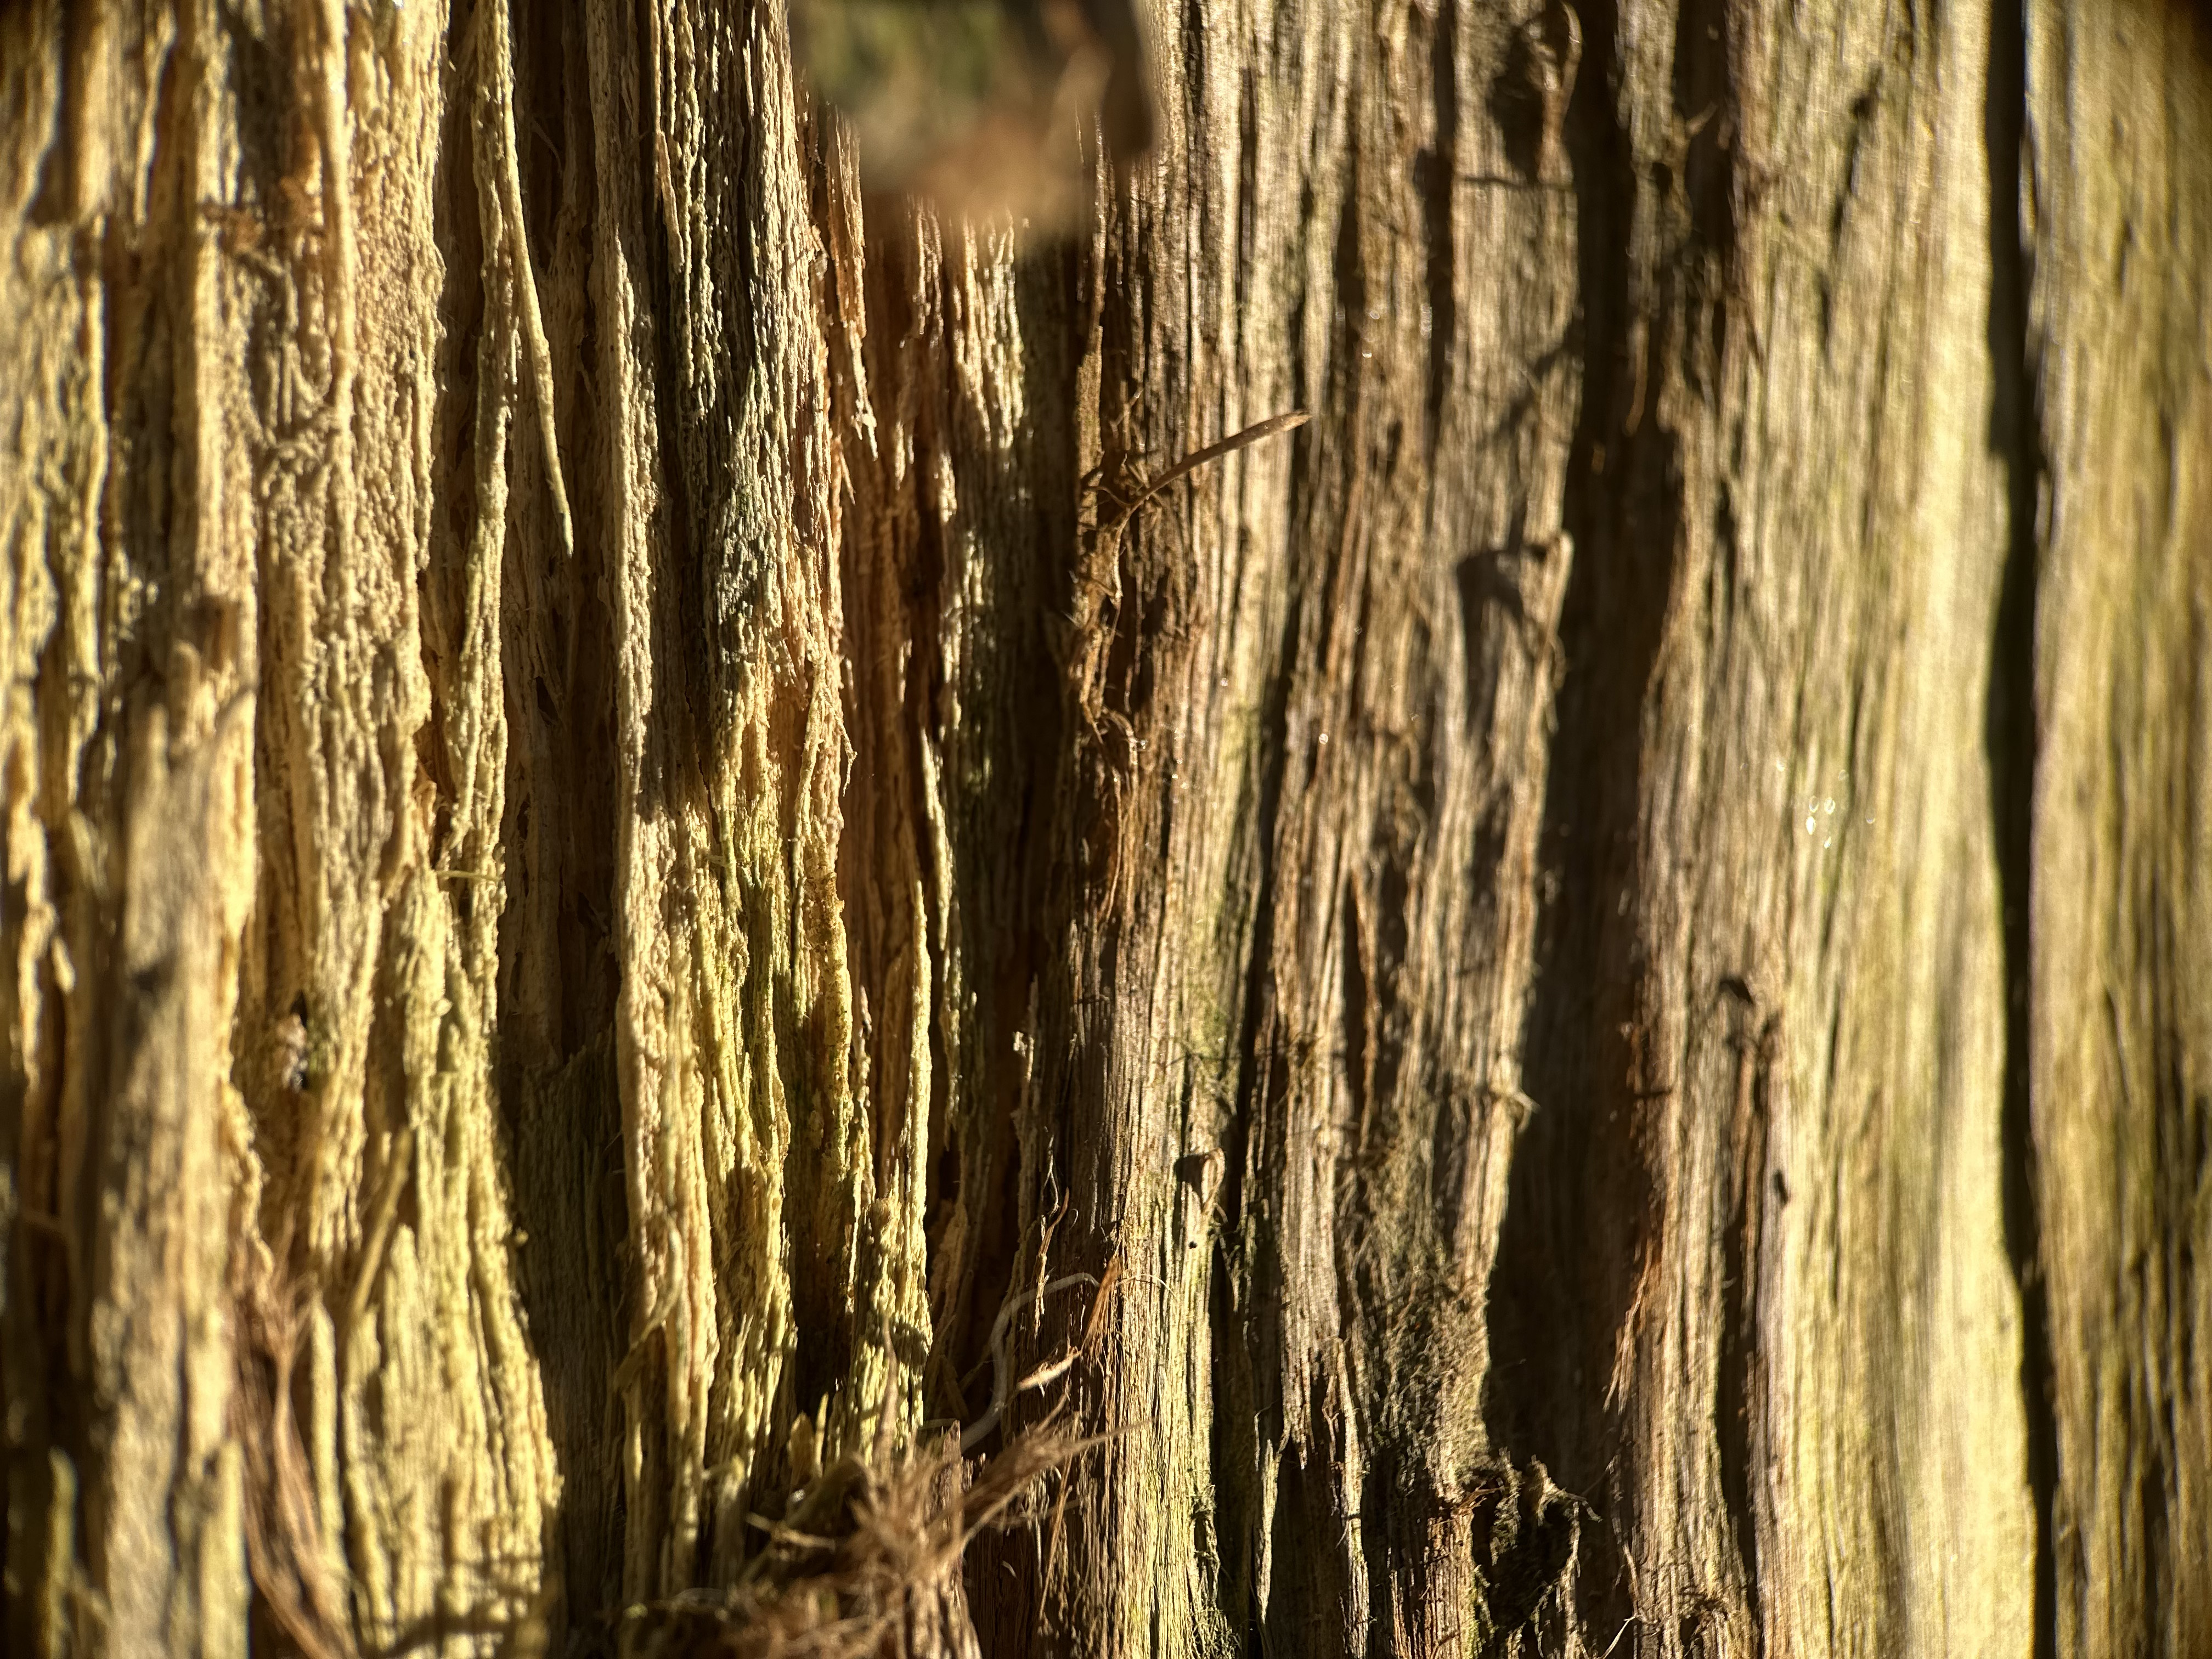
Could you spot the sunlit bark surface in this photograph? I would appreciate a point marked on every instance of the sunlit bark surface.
(653, 839)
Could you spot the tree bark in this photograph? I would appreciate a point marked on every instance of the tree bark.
(653, 840)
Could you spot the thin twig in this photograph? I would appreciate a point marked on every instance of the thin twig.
(1002, 1388)
(1228, 445)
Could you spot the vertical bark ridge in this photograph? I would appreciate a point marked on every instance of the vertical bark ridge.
(2117, 214)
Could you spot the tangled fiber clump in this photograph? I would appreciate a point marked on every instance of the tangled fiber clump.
(867, 1563)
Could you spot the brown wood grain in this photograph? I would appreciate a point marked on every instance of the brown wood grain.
(1461, 870)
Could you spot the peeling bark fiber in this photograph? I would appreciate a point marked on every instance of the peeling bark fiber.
(698, 855)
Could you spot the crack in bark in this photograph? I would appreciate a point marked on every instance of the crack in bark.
(2010, 738)
(1547, 1386)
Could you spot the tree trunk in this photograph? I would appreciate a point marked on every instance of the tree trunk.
(652, 841)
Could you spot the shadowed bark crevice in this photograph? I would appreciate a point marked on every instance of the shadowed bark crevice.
(1706, 105)
(1436, 175)
(2015, 436)
(1740, 1405)
(1581, 1201)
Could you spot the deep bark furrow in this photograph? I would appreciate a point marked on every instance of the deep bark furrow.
(2015, 437)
